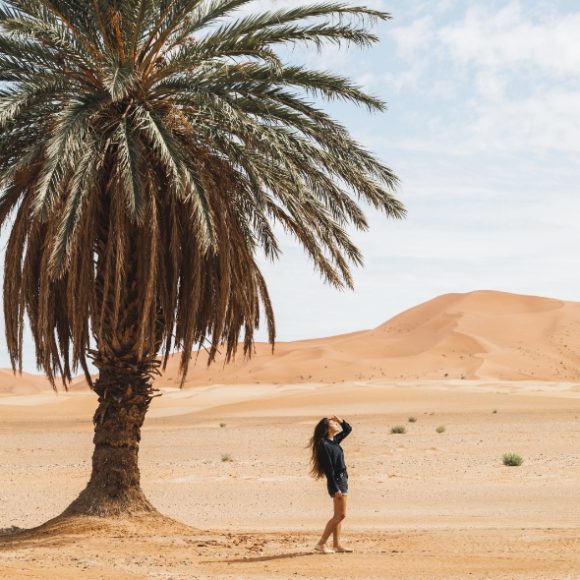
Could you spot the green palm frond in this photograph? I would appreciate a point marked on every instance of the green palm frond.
(79, 188)
(130, 163)
(148, 150)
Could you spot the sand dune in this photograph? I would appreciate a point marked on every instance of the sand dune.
(25, 384)
(484, 335)
(479, 335)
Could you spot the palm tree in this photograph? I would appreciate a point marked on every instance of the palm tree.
(147, 149)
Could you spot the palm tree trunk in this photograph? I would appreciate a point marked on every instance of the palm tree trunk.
(114, 488)
(124, 389)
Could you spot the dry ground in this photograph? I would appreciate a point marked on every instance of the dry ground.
(423, 505)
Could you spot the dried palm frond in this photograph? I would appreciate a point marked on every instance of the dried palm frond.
(147, 149)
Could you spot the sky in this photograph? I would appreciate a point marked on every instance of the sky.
(483, 129)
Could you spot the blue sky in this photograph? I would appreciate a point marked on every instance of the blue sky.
(483, 129)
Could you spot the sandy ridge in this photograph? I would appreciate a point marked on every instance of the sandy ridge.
(482, 335)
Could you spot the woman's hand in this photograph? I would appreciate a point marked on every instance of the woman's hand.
(338, 494)
(336, 418)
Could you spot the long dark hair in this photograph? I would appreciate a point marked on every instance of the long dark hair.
(315, 446)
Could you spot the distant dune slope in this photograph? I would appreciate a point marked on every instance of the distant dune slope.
(478, 335)
(27, 384)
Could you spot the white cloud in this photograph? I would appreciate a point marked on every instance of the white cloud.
(508, 38)
(416, 36)
(539, 122)
(511, 74)
(490, 86)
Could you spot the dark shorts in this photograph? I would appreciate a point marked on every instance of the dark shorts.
(341, 482)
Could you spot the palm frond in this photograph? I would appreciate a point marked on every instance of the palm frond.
(149, 149)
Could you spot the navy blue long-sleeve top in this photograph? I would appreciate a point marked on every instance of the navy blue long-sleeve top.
(332, 457)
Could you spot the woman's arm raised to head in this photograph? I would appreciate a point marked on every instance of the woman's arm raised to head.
(346, 429)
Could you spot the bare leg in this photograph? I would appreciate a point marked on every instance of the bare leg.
(337, 530)
(336, 535)
(335, 520)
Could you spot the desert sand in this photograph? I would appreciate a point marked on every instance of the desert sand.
(478, 335)
(423, 504)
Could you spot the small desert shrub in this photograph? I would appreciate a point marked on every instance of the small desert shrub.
(412, 419)
(226, 457)
(512, 459)
(440, 429)
(222, 424)
(398, 429)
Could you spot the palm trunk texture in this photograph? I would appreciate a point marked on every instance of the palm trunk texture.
(124, 389)
(114, 488)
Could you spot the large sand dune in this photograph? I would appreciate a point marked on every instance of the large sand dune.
(484, 335)
(479, 335)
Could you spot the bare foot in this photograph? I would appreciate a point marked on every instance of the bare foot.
(321, 549)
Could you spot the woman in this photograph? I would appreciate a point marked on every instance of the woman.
(328, 459)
